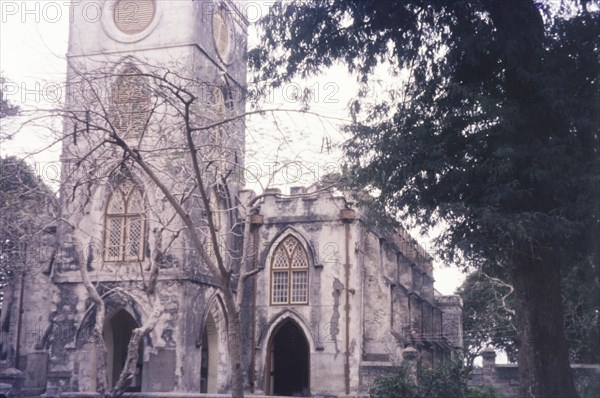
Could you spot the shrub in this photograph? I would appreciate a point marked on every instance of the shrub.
(444, 381)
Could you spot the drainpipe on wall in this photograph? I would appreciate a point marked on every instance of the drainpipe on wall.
(347, 216)
(256, 220)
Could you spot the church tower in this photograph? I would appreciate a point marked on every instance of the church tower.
(119, 50)
(154, 80)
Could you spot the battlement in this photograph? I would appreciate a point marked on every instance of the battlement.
(448, 301)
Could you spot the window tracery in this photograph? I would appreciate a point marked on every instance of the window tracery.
(289, 273)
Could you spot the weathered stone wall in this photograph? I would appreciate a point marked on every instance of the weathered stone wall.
(314, 221)
(378, 344)
(390, 294)
(505, 378)
(383, 301)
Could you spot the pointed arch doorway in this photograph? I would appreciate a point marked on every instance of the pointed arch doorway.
(288, 361)
(117, 333)
(214, 365)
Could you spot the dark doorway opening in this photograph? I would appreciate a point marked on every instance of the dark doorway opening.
(117, 333)
(289, 361)
(209, 360)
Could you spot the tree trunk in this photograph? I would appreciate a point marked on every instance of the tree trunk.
(544, 370)
(235, 354)
(128, 373)
(101, 365)
(101, 359)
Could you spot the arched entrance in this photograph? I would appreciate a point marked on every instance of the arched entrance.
(288, 361)
(117, 333)
(210, 356)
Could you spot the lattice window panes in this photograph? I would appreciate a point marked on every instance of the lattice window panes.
(135, 239)
(114, 238)
(280, 287)
(130, 103)
(299, 286)
(289, 273)
(125, 224)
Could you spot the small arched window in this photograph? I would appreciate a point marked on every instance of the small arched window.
(222, 99)
(130, 102)
(222, 108)
(125, 224)
(289, 273)
(219, 222)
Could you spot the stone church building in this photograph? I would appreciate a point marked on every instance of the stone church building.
(337, 302)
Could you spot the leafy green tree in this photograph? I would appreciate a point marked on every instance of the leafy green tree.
(489, 128)
(24, 204)
(488, 316)
(22, 197)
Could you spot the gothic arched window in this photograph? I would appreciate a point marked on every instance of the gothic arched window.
(130, 102)
(125, 224)
(289, 273)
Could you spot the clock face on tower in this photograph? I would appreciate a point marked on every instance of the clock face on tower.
(133, 16)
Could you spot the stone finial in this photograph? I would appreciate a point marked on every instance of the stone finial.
(409, 354)
(297, 190)
(489, 357)
(347, 215)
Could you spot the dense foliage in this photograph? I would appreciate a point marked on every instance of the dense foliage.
(485, 123)
(444, 381)
(581, 297)
(446, 141)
